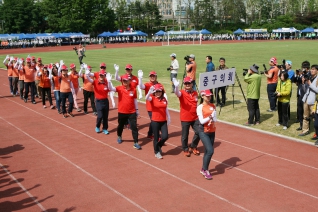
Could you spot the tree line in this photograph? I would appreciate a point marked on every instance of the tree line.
(96, 16)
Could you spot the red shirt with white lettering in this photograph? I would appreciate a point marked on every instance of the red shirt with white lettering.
(159, 106)
(126, 99)
(100, 89)
(188, 105)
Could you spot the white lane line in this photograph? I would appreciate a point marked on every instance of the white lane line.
(78, 167)
(24, 189)
(129, 155)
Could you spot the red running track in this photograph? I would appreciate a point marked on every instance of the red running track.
(48, 163)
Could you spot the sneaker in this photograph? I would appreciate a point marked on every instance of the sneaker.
(59, 111)
(195, 151)
(78, 110)
(34, 102)
(97, 130)
(270, 110)
(105, 132)
(206, 173)
(85, 112)
(299, 129)
(150, 137)
(25, 100)
(119, 140)
(65, 115)
(257, 123)
(284, 128)
(303, 134)
(278, 124)
(52, 107)
(44, 106)
(70, 114)
(158, 155)
(248, 124)
(137, 146)
(186, 153)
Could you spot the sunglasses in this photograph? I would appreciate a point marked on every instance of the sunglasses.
(187, 83)
(158, 91)
(128, 69)
(102, 75)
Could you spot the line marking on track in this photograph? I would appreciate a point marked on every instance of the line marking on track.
(129, 155)
(78, 167)
(24, 189)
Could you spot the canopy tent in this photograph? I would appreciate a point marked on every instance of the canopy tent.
(308, 29)
(193, 32)
(135, 33)
(238, 31)
(205, 32)
(160, 33)
(252, 31)
(44, 36)
(285, 30)
(7, 37)
(105, 34)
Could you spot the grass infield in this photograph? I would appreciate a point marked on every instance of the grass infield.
(239, 55)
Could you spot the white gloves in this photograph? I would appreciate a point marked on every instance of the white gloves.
(140, 74)
(20, 61)
(214, 116)
(57, 65)
(111, 94)
(175, 82)
(87, 72)
(152, 89)
(61, 62)
(108, 77)
(84, 65)
(29, 56)
(139, 92)
(7, 57)
(116, 67)
(37, 68)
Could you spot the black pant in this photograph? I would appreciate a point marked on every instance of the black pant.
(150, 131)
(102, 106)
(132, 118)
(21, 88)
(185, 134)
(89, 95)
(68, 96)
(158, 127)
(15, 81)
(253, 111)
(300, 110)
(80, 58)
(27, 86)
(271, 89)
(48, 93)
(223, 92)
(282, 109)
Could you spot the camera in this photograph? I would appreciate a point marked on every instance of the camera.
(245, 70)
(169, 68)
(187, 58)
(265, 70)
(283, 65)
(307, 76)
(274, 94)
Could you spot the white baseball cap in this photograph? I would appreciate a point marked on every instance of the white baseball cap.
(173, 55)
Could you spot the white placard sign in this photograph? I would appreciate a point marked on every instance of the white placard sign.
(216, 79)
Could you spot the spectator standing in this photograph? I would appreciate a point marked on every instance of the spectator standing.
(174, 67)
(272, 78)
(191, 69)
(222, 66)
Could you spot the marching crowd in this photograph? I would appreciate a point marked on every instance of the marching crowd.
(30, 75)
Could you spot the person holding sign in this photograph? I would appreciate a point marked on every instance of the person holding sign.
(253, 94)
(207, 116)
(222, 66)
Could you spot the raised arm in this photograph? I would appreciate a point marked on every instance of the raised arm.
(151, 90)
(110, 86)
(140, 75)
(176, 87)
(116, 72)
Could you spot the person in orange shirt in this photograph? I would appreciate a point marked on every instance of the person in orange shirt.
(55, 82)
(74, 79)
(88, 91)
(15, 76)
(188, 99)
(39, 67)
(127, 107)
(29, 73)
(160, 117)
(207, 117)
(21, 77)
(101, 96)
(8, 62)
(272, 79)
(66, 91)
(45, 85)
(191, 68)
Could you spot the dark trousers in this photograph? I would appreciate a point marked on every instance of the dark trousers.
(253, 111)
(171, 77)
(185, 134)
(160, 129)
(223, 93)
(68, 96)
(89, 95)
(15, 81)
(271, 89)
(208, 143)
(316, 123)
(10, 84)
(282, 109)
(21, 88)
(150, 131)
(122, 119)
(102, 106)
(80, 59)
(48, 93)
(27, 86)
(300, 110)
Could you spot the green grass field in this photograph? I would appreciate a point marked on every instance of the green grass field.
(239, 55)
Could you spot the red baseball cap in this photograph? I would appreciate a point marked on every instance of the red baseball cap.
(206, 93)
(64, 68)
(39, 59)
(45, 66)
(128, 66)
(152, 73)
(72, 66)
(28, 59)
(89, 68)
(187, 79)
(126, 77)
(102, 72)
(274, 60)
(15, 58)
(102, 65)
(33, 58)
(22, 59)
(158, 87)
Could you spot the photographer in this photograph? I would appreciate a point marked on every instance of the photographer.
(254, 81)
(222, 66)
(191, 68)
(272, 78)
(309, 98)
(174, 67)
(283, 92)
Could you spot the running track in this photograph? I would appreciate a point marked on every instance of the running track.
(53, 164)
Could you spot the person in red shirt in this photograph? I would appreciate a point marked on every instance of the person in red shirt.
(207, 117)
(101, 96)
(133, 79)
(88, 90)
(127, 107)
(160, 117)
(188, 99)
(152, 81)
(102, 66)
(8, 62)
(29, 73)
(74, 79)
(66, 91)
(45, 85)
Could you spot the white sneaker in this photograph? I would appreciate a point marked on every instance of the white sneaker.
(284, 128)
(158, 155)
(278, 124)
